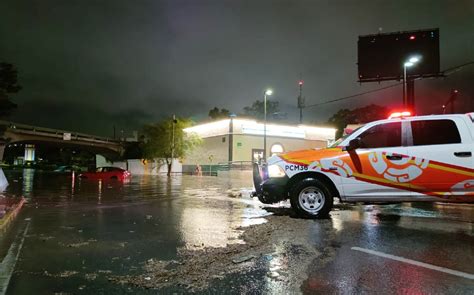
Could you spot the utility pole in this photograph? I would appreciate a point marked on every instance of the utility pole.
(409, 84)
(301, 100)
(267, 92)
(411, 95)
(172, 136)
(452, 98)
(172, 143)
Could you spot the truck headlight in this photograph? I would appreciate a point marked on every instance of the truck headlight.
(275, 171)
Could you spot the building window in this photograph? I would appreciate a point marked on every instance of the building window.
(276, 149)
(223, 139)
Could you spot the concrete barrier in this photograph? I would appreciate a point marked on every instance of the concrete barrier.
(3, 181)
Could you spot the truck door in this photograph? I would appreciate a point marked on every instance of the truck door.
(381, 166)
(442, 149)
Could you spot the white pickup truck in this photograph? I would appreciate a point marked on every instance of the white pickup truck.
(401, 159)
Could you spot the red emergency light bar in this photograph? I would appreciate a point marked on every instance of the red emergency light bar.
(399, 115)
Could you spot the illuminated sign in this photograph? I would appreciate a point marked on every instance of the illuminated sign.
(245, 126)
(273, 130)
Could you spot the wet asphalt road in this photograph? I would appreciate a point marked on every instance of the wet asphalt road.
(77, 235)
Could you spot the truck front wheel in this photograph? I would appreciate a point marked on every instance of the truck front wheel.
(311, 198)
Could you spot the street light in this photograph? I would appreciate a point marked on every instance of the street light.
(409, 63)
(414, 59)
(267, 92)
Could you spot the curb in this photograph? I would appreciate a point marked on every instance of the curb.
(10, 215)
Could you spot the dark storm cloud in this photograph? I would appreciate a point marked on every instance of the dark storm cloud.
(74, 116)
(105, 62)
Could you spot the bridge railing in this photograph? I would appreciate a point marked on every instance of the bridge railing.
(57, 132)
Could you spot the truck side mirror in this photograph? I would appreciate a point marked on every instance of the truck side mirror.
(354, 144)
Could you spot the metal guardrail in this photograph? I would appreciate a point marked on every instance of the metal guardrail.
(28, 129)
(235, 165)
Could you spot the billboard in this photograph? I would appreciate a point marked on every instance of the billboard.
(381, 56)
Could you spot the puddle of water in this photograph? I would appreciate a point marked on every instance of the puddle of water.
(90, 228)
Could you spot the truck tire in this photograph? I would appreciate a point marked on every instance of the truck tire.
(311, 198)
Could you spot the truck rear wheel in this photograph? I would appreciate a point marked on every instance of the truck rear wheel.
(311, 198)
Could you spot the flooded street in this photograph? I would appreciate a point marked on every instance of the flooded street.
(206, 235)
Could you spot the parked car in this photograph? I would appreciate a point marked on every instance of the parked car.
(402, 159)
(105, 173)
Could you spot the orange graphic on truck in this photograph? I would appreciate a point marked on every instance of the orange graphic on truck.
(410, 173)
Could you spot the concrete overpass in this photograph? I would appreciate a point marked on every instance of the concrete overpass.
(11, 132)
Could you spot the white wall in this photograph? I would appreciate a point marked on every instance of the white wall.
(213, 150)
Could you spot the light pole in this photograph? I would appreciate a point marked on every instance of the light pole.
(172, 143)
(267, 92)
(409, 63)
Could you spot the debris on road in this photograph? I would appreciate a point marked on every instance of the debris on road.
(264, 243)
(243, 259)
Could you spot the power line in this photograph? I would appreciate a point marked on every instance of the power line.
(453, 70)
(446, 72)
(354, 95)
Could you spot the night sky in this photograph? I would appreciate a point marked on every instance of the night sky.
(89, 65)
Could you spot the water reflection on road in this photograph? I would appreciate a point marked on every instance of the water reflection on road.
(207, 210)
(87, 226)
(82, 231)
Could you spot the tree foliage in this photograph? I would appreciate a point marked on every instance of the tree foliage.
(8, 85)
(217, 113)
(257, 109)
(357, 116)
(158, 143)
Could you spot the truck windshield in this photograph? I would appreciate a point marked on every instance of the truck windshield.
(340, 140)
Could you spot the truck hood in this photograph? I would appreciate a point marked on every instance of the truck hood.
(306, 157)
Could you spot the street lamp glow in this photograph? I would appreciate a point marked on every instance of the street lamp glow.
(268, 92)
(408, 64)
(414, 59)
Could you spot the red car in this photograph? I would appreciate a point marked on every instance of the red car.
(105, 173)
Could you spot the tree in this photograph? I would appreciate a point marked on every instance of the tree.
(159, 141)
(257, 109)
(340, 120)
(217, 113)
(133, 150)
(8, 85)
(357, 116)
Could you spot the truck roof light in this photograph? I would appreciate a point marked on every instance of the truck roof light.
(399, 115)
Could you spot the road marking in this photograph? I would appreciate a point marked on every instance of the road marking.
(7, 266)
(417, 263)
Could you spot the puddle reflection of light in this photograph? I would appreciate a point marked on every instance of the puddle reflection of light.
(368, 216)
(337, 224)
(202, 227)
(28, 177)
(73, 184)
(372, 219)
(246, 222)
(99, 195)
(274, 266)
(278, 267)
